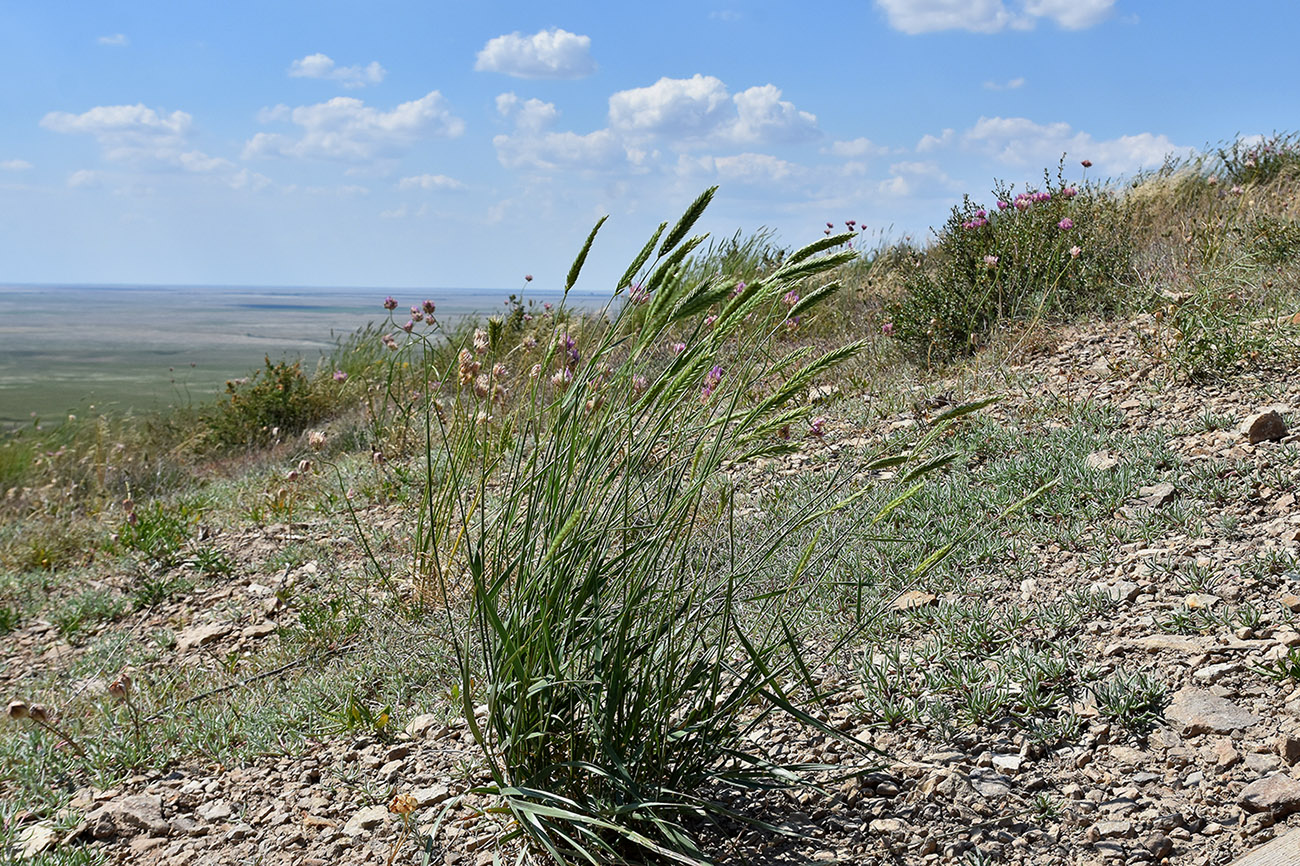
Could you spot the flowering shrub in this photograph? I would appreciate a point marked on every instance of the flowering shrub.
(1057, 250)
(278, 400)
(1261, 161)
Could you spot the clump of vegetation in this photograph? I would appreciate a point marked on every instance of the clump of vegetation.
(619, 655)
(1059, 249)
(277, 401)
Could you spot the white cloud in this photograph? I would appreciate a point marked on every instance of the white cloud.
(763, 116)
(321, 66)
(855, 147)
(84, 179)
(917, 178)
(991, 16)
(1021, 141)
(934, 142)
(1071, 14)
(553, 53)
(347, 130)
(552, 150)
(139, 136)
(15, 165)
(529, 115)
(116, 40)
(675, 107)
(700, 109)
(430, 182)
(746, 168)
(1012, 84)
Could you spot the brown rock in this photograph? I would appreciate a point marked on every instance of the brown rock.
(1278, 794)
(1196, 711)
(1266, 426)
(913, 599)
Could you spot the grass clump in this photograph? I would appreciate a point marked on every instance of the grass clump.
(621, 646)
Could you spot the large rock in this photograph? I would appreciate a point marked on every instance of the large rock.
(1266, 426)
(128, 816)
(1278, 794)
(365, 820)
(1196, 711)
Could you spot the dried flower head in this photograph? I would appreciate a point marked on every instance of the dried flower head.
(120, 688)
(403, 804)
(17, 709)
(38, 713)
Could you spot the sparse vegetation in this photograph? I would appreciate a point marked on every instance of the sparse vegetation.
(635, 561)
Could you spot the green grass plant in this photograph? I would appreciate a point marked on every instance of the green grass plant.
(620, 657)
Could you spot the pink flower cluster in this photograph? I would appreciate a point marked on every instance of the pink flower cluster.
(711, 381)
(981, 219)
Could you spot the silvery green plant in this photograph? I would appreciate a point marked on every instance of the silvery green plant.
(620, 640)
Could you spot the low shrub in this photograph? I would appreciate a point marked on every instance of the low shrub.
(1054, 251)
(276, 401)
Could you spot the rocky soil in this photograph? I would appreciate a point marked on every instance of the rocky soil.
(1217, 777)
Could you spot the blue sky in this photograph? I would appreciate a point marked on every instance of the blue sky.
(440, 144)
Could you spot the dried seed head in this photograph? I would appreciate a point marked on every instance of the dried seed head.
(120, 688)
(18, 709)
(38, 713)
(403, 804)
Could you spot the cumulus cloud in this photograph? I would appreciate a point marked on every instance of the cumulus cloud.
(553, 53)
(1021, 141)
(430, 182)
(116, 40)
(991, 16)
(744, 168)
(321, 66)
(934, 142)
(529, 115)
(345, 129)
(553, 150)
(15, 165)
(701, 109)
(139, 136)
(917, 178)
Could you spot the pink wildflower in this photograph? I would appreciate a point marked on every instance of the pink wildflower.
(991, 261)
(678, 348)
(340, 376)
(887, 329)
(790, 298)
(1065, 225)
(390, 303)
(815, 428)
(1074, 252)
(1087, 163)
(528, 278)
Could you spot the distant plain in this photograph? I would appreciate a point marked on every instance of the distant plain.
(69, 349)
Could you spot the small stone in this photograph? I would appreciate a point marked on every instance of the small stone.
(1158, 846)
(128, 816)
(1009, 764)
(201, 635)
(35, 840)
(1101, 461)
(366, 820)
(218, 810)
(1225, 755)
(420, 725)
(1196, 711)
(1288, 746)
(1158, 495)
(1200, 601)
(1291, 602)
(1114, 829)
(1120, 590)
(913, 599)
(1266, 426)
(1278, 794)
